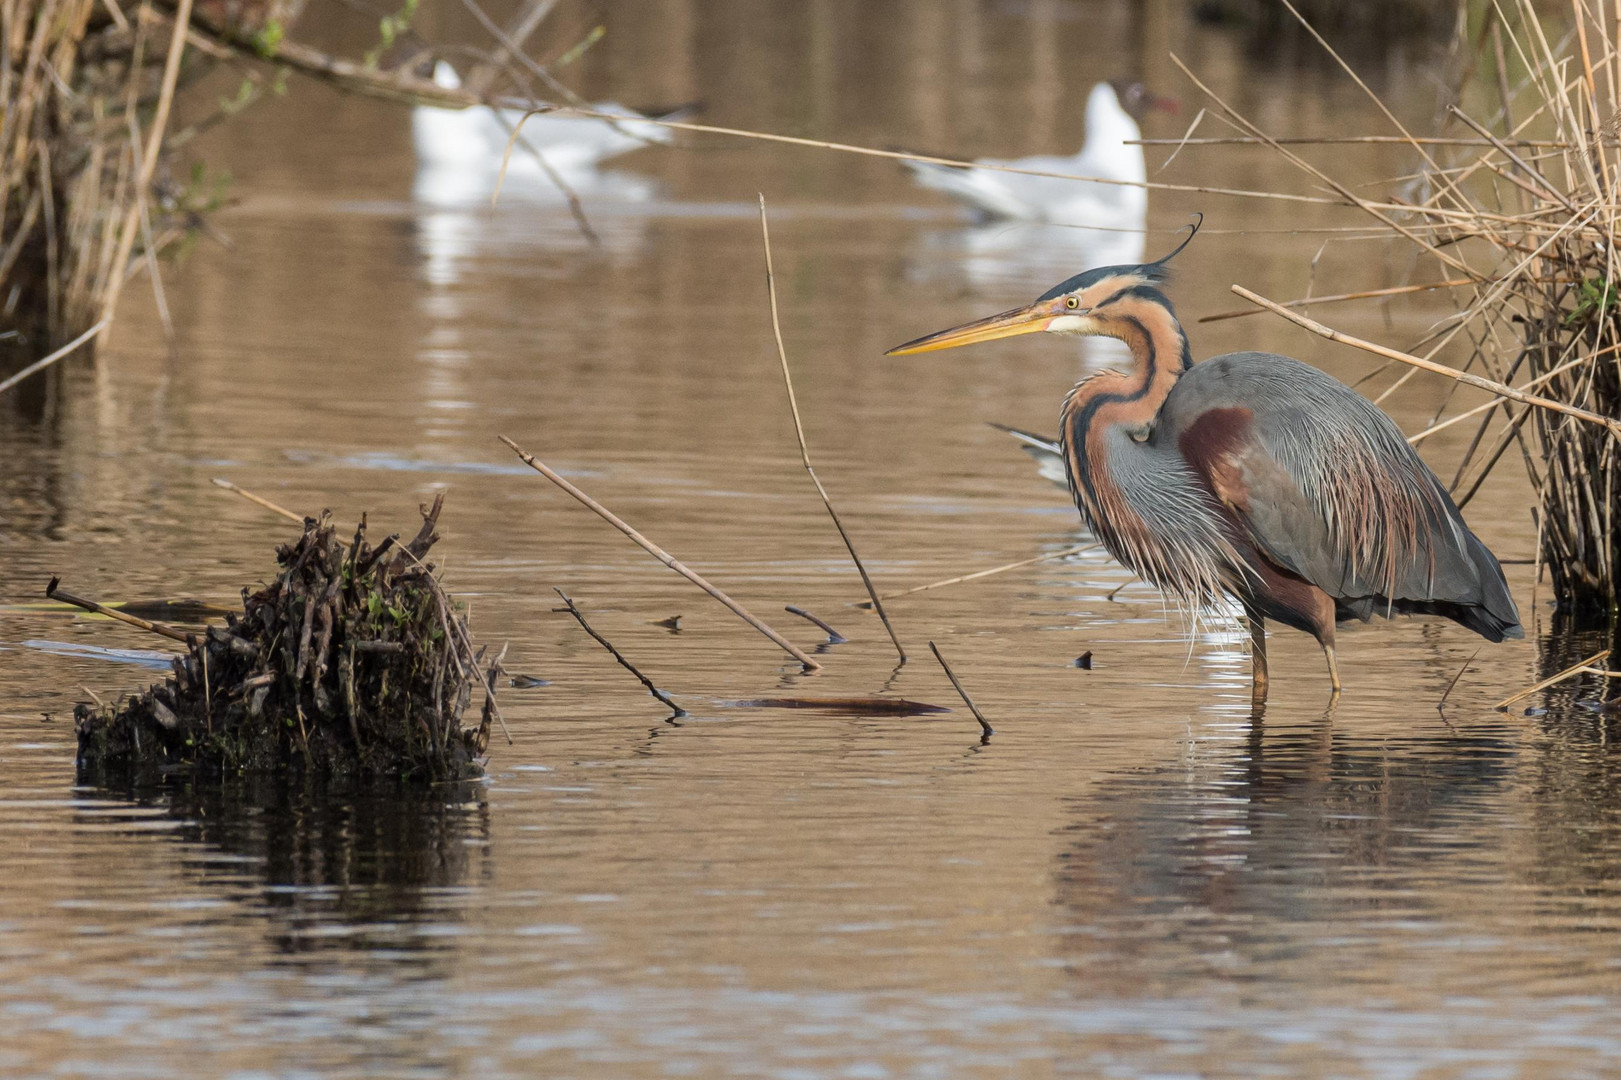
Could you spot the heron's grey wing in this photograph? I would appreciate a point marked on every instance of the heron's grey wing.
(1328, 488)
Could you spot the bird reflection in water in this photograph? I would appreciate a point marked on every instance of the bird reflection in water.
(1257, 841)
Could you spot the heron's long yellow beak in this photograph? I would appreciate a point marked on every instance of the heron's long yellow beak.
(1026, 320)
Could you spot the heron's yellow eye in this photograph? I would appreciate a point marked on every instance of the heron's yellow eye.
(1072, 303)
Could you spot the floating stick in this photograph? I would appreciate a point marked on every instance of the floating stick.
(617, 655)
(833, 636)
(169, 632)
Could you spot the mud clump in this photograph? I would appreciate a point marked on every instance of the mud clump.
(352, 661)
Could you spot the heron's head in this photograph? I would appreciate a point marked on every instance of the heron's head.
(1102, 302)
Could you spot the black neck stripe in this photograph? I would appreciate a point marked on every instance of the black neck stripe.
(1075, 430)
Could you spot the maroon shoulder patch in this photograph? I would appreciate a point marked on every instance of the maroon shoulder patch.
(1212, 445)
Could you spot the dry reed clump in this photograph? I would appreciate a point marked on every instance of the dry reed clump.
(75, 85)
(351, 661)
(1544, 221)
(86, 89)
(1520, 205)
(85, 93)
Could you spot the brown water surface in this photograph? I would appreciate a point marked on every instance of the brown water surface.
(1133, 878)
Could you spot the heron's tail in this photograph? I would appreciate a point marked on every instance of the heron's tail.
(1492, 614)
(1483, 606)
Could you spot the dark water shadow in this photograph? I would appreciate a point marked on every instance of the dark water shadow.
(376, 869)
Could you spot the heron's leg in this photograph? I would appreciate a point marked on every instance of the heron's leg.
(1333, 666)
(1333, 673)
(1257, 626)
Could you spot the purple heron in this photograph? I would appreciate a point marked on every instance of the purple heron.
(1249, 475)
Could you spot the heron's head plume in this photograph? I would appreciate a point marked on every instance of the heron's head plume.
(1088, 304)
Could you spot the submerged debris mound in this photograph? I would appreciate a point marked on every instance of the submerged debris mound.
(353, 660)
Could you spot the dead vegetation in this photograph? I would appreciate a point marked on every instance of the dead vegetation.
(1518, 207)
(85, 201)
(352, 660)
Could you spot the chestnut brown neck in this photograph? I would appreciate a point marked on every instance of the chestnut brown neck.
(1143, 319)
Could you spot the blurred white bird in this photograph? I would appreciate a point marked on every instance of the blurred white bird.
(1112, 112)
(459, 151)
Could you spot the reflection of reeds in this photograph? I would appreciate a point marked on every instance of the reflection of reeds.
(1527, 221)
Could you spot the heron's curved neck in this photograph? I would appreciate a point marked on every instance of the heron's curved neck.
(1143, 319)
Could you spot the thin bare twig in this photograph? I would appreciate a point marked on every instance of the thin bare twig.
(804, 451)
(1543, 190)
(1448, 692)
(1341, 140)
(833, 636)
(160, 629)
(927, 159)
(664, 698)
(1340, 189)
(274, 508)
(1368, 294)
(149, 157)
(398, 85)
(575, 207)
(660, 554)
(985, 729)
(149, 252)
(1004, 568)
(1441, 425)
